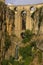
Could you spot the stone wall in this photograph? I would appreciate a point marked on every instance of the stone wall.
(18, 20)
(2, 0)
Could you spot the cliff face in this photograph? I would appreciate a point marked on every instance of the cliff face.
(38, 16)
(8, 21)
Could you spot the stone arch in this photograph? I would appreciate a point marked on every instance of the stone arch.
(32, 9)
(15, 9)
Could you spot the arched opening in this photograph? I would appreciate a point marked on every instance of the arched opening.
(32, 9)
(22, 35)
(23, 16)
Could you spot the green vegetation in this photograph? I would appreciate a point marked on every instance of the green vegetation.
(11, 60)
(27, 54)
(28, 60)
(5, 62)
(33, 44)
(27, 36)
(7, 44)
(24, 53)
(39, 56)
(7, 41)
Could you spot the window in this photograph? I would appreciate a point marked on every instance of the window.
(23, 15)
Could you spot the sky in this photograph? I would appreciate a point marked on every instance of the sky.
(23, 2)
